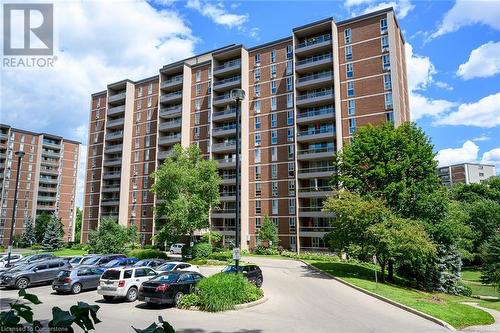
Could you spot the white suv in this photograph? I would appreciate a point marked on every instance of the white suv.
(123, 282)
(177, 248)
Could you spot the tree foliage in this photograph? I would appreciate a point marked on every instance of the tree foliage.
(269, 233)
(41, 222)
(28, 238)
(78, 225)
(186, 186)
(52, 240)
(111, 237)
(491, 259)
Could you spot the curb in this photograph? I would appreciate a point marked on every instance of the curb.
(384, 299)
(238, 306)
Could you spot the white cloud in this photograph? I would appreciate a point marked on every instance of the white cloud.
(466, 12)
(481, 138)
(217, 13)
(483, 61)
(467, 153)
(351, 3)
(421, 106)
(402, 7)
(492, 157)
(483, 113)
(443, 85)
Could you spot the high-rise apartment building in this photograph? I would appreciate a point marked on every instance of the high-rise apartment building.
(306, 95)
(47, 182)
(465, 173)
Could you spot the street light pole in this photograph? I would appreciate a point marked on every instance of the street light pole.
(237, 95)
(20, 155)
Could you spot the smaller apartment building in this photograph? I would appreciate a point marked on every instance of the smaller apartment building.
(465, 173)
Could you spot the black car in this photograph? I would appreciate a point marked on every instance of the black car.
(77, 279)
(252, 272)
(151, 263)
(168, 288)
(100, 260)
(34, 273)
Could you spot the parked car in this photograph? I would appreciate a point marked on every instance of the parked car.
(77, 260)
(151, 263)
(27, 260)
(176, 248)
(34, 273)
(119, 262)
(177, 266)
(101, 259)
(123, 282)
(77, 279)
(14, 257)
(252, 272)
(168, 288)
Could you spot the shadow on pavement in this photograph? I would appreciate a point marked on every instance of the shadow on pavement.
(199, 330)
(4, 303)
(146, 306)
(309, 272)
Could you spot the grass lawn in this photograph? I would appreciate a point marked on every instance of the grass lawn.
(495, 305)
(472, 278)
(59, 253)
(443, 306)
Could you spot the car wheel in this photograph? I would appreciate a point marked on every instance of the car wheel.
(258, 282)
(177, 297)
(76, 288)
(22, 283)
(108, 298)
(132, 294)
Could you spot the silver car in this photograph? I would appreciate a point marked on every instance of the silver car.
(38, 272)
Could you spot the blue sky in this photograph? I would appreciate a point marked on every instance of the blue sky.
(453, 58)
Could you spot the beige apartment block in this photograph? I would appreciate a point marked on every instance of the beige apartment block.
(465, 173)
(306, 95)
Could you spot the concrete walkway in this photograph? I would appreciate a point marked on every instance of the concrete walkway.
(493, 328)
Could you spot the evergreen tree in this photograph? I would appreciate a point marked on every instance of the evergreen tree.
(52, 239)
(40, 226)
(28, 237)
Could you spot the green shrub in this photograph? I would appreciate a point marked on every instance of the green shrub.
(201, 250)
(78, 246)
(223, 291)
(149, 247)
(36, 247)
(222, 256)
(2, 249)
(266, 250)
(187, 252)
(311, 256)
(147, 254)
(188, 301)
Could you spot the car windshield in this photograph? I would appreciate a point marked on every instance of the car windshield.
(141, 263)
(90, 261)
(75, 260)
(231, 269)
(111, 274)
(113, 263)
(166, 267)
(22, 267)
(166, 278)
(63, 274)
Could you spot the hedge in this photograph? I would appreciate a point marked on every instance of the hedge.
(147, 254)
(201, 251)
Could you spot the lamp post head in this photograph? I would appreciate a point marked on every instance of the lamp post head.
(237, 94)
(20, 153)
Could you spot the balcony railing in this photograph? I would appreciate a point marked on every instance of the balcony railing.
(314, 113)
(315, 94)
(225, 112)
(222, 97)
(50, 153)
(315, 76)
(228, 80)
(224, 128)
(227, 194)
(227, 64)
(315, 189)
(315, 40)
(114, 135)
(115, 122)
(228, 144)
(310, 60)
(117, 97)
(316, 150)
(317, 169)
(315, 131)
(172, 81)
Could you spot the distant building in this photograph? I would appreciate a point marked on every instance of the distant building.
(465, 173)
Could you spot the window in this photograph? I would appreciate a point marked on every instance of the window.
(385, 43)
(274, 137)
(138, 117)
(146, 154)
(258, 172)
(196, 132)
(352, 126)
(274, 171)
(256, 106)
(256, 74)
(149, 114)
(388, 101)
(257, 155)
(197, 104)
(291, 152)
(351, 107)
(258, 208)
(289, 134)
(289, 51)
(348, 53)
(257, 90)
(350, 88)
(291, 225)
(258, 189)
(274, 189)
(291, 169)
(198, 89)
(274, 103)
(274, 206)
(348, 71)
(289, 100)
(274, 120)
(257, 139)
(150, 101)
(273, 71)
(387, 82)
(347, 36)
(137, 143)
(386, 62)
(150, 89)
(273, 55)
(289, 117)
(289, 67)
(209, 73)
(257, 223)
(198, 76)
(197, 118)
(274, 154)
(383, 25)
(136, 156)
(98, 105)
(289, 84)
(291, 206)
(257, 59)
(257, 123)
(291, 187)
(274, 87)
(139, 104)
(390, 117)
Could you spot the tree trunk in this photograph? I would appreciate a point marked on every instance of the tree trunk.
(382, 268)
(390, 271)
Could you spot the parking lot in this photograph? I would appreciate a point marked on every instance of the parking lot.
(299, 300)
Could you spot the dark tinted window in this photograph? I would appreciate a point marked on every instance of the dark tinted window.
(141, 263)
(41, 267)
(166, 267)
(127, 274)
(55, 264)
(63, 274)
(82, 272)
(96, 271)
(140, 272)
(185, 278)
(90, 260)
(149, 272)
(111, 274)
(167, 278)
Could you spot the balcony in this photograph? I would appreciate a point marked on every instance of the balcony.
(314, 80)
(224, 229)
(110, 202)
(316, 172)
(47, 189)
(315, 153)
(174, 82)
(111, 188)
(120, 97)
(3, 156)
(4, 136)
(49, 171)
(314, 63)
(222, 100)
(314, 45)
(50, 144)
(315, 98)
(163, 154)
(320, 134)
(49, 162)
(111, 175)
(227, 196)
(229, 67)
(46, 198)
(224, 147)
(45, 180)
(226, 84)
(112, 162)
(315, 116)
(226, 163)
(227, 114)
(314, 231)
(228, 179)
(50, 153)
(224, 130)
(171, 111)
(171, 124)
(113, 148)
(116, 135)
(171, 97)
(116, 110)
(223, 213)
(170, 139)
(315, 192)
(313, 212)
(115, 123)
(46, 207)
